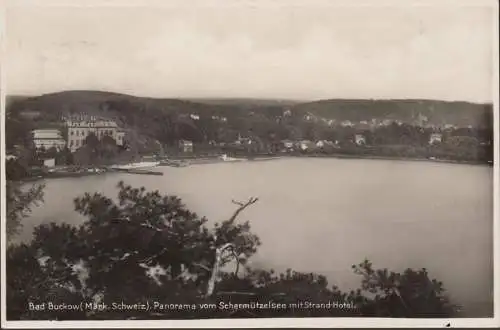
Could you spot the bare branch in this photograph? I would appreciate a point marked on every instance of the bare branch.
(154, 256)
(242, 206)
(201, 266)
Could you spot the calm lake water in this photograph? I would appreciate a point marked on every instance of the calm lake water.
(324, 215)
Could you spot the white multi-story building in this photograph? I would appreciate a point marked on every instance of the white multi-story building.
(79, 130)
(435, 138)
(48, 138)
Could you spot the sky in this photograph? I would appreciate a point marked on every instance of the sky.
(275, 49)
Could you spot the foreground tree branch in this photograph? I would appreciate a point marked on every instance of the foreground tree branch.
(242, 206)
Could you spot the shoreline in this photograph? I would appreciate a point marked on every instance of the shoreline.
(360, 156)
(204, 160)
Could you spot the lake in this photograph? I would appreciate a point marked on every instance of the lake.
(324, 215)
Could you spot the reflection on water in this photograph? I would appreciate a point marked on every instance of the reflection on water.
(323, 215)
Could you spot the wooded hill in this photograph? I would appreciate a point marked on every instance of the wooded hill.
(167, 120)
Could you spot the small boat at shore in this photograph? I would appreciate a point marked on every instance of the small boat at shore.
(173, 163)
(225, 158)
(139, 165)
(143, 172)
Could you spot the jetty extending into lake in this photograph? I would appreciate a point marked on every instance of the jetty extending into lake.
(136, 171)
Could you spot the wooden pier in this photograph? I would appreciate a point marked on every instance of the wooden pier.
(137, 171)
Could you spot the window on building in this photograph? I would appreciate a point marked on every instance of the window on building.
(72, 133)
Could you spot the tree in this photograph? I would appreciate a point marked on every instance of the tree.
(107, 148)
(150, 247)
(64, 157)
(410, 294)
(91, 141)
(19, 200)
(17, 129)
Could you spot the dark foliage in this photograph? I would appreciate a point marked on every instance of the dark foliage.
(111, 259)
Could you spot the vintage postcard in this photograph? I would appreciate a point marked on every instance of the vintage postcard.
(249, 163)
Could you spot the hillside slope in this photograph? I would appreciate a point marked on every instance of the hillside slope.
(168, 120)
(437, 112)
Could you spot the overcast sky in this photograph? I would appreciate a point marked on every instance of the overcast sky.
(276, 49)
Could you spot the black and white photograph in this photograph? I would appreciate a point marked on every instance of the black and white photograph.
(249, 162)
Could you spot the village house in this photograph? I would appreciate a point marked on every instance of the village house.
(320, 144)
(287, 144)
(80, 129)
(324, 143)
(305, 145)
(186, 146)
(386, 122)
(49, 162)
(435, 138)
(243, 140)
(360, 139)
(48, 138)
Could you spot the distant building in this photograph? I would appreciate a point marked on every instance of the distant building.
(243, 140)
(449, 126)
(324, 143)
(435, 138)
(48, 138)
(80, 129)
(287, 144)
(305, 145)
(287, 113)
(49, 162)
(346, 123)
(186, 146)
(360, 139)
(222, 119)
(120, 137)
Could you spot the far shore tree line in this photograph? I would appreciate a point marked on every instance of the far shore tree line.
(211, 136)
(147, 246)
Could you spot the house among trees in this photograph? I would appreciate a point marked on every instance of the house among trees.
(306, 145)
(186, 146)
(324, 143)
(360, 139)
(49, 162)
(287, 144)
(48, 138)
(435, 138)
